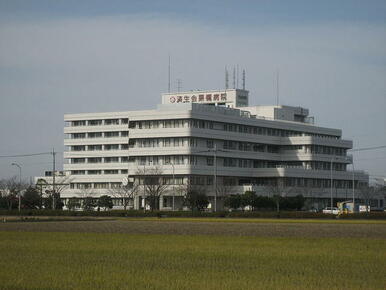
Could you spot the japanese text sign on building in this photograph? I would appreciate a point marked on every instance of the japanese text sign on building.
(200, 98)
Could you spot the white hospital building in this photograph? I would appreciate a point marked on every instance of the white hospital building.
(253, 147)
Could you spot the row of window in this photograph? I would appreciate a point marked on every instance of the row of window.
(226, 162)
(92, 135)
(289, 182)
(99, 172)
(97, 122)
(98, 147)
(203, 124)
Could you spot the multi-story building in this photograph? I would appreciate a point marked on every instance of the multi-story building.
(213, 139)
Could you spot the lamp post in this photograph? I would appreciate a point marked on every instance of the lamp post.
(331, 181)
(353, 185)
(144, 187)
(15, 164)
(215, 176)
(174, 184)
(214, 150)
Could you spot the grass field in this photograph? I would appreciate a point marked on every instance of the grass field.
(115, 255)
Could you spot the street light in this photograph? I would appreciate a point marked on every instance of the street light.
(174, 184)
(353, 186)
(331, 181)
(15, 164)
(214, 150)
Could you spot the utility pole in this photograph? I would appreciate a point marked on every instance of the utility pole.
(353, 186)
(174, 184)
(17, 165)
(215, 176)
(53, 178)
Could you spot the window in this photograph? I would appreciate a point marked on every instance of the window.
(124, 133)
(78, 160)
(209, 161)
(94, 135)
(111, 134)
(112, 147)
(94, 172)
(124, 171)
(125, 121)
(79, 135)
(101, 185)
(209, 143)
(78, 172)
(78, 123)
(78, 148)
(95, 122)
(111, 159)
(124, 146)
(112, 122)
(114, 171)
(115, 184)
(94, 160)
(94, 147)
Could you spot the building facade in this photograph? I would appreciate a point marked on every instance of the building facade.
(212, 139)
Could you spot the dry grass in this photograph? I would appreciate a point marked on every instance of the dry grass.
(40, 260)
(188, 227)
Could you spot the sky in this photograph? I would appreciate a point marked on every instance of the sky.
(70, 56)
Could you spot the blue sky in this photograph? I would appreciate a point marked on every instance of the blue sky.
(60, 57)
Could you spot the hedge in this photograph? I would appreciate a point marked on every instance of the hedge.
(222, 214)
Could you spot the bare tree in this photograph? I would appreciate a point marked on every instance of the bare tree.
(154, 185)
(125, 192)
(278, 191)
(11, 189)
(367, 193)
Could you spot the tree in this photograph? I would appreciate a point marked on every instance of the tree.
(233, 201)
(263, 202)
(196, 198)
(10, 190)
(73, 203)
(292, 202)
(89, 203)
(31, 198)
(40, 185)
(154, 185)
(125, 192)
(278, 191)
(248, 199)
(105, 202)
(52, 201)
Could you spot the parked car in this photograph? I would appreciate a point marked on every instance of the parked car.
(333, 210)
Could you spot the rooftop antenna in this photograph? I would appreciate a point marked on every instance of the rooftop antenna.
(169, 69)
(226, 78)
(237, 76)
(244, 79)
(277, 87)
(234, 77)
(179, 84)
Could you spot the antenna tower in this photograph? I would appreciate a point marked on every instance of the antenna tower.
(226, 78)
(234, 77)
(277, 87)
(169, 70)
(179, 84)
(244, 79)
(237, 73)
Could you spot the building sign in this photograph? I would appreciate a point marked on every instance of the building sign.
(200, 98)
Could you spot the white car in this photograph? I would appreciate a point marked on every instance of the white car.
(333, 210)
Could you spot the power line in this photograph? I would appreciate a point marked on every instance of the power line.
(368, 148)
(25, 155)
